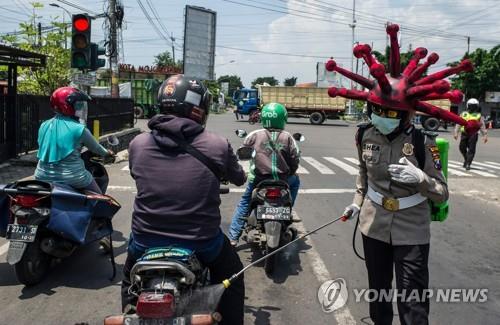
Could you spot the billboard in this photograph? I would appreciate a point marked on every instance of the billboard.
(199, 42)
(325, 78)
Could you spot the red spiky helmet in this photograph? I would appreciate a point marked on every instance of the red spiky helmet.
(404, 91)
(63, 100)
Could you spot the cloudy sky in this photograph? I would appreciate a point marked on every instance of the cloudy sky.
(283, 38)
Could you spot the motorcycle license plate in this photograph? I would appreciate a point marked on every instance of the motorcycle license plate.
(274, 213)
(134, 320)
(23, 233)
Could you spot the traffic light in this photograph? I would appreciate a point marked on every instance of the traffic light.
(81, 50)
(95, 61)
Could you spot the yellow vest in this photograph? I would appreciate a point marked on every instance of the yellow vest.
(469, 116)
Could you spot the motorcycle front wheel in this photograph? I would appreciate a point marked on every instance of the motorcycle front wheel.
(33, 266)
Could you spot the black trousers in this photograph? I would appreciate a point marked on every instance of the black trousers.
(468, 147)
(227, 263)
(411, 265)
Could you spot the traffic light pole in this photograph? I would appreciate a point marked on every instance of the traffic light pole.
(113, 59)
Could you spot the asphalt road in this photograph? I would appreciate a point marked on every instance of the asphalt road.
(464, 249)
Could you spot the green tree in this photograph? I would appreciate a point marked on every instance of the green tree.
(234, 83)
(260, 80)
(292, 81)
(164, 59)
(42, 81)
(486, 74)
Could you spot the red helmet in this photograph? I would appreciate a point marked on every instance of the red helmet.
(63, 100)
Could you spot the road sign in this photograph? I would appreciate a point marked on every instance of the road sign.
(84, 79)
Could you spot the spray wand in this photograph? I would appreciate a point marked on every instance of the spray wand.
(228, 282)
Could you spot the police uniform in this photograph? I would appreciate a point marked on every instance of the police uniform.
(395, 219)
(468, 142)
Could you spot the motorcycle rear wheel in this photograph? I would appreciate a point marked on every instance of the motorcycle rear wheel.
(33, 266)
(270, 262)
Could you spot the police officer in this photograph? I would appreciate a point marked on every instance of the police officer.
(394, 215)
(468, 142)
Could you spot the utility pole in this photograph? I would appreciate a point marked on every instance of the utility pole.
(353, 26)
(113, 58)
(172, 38)
(468, 44)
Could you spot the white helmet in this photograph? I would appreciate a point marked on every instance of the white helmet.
(472, 101)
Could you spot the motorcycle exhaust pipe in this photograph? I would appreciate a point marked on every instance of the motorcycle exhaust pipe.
(56, 247)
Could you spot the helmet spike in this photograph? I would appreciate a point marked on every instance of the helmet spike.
(364, 51)
(417, 73)
(465, 65)
(418, 54)
(365, 82)
(394, 58)
(440, 87)
(454, 96)
(378, 72)
(348, 93)
(471, 126)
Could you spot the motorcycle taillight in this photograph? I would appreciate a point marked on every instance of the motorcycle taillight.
(155, 305)
(27, 201)
(273, 193)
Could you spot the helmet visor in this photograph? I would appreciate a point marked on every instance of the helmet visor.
(81, 111)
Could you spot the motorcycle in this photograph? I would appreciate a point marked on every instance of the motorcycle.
(254, 117)
(45, 221)
(270, 222)
(172, 288)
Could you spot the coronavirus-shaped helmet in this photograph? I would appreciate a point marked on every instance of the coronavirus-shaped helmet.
(407, 90)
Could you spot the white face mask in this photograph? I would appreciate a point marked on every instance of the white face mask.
(81, 111)
(385, 125)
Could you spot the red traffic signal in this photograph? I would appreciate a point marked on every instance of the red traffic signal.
(81, 24)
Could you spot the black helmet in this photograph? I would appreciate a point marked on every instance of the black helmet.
(186, 97)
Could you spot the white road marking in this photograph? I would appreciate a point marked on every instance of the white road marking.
(308, 191)
(302, 170)
(4, 248)
(485, 165)
(121, 188)
(126, 168)
(342, 316)
(493, 163)
(474, 171)
(457, 172)
(348, 168)
(352, 160)
(474, 166)
(319, 166)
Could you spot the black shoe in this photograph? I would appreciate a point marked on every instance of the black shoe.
(467, 167)
(465, 164)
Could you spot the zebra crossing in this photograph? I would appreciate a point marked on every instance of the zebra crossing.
(349, 165)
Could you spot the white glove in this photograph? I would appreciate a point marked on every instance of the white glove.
(350, 211)
(406, 172)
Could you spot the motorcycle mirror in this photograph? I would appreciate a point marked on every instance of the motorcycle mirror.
(244, 153)
(299, 137)
(113, 140)
(241, 133)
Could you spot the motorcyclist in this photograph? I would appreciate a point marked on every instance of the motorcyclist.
(177, 201)
(276, 156)
(61, 139)
(468, 142)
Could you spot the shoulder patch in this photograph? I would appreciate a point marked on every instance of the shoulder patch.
(436, 157)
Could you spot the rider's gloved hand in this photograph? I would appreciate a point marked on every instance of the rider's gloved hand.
(406, 172)
(350, 211)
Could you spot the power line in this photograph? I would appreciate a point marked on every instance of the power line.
(276, 53)
(151, 22)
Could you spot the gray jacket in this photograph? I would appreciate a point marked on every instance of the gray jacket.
(177, 195)
(409, 226)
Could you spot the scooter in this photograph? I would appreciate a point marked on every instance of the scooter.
(270, 222)
(172, 287)
(45, 221)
